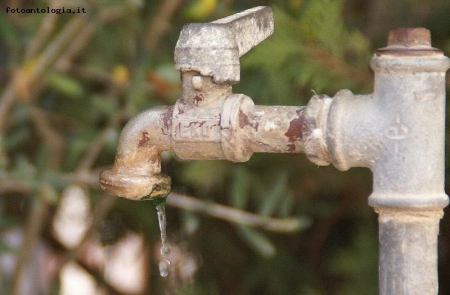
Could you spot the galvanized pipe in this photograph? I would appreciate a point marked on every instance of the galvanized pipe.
(398, 132)
(408, 252)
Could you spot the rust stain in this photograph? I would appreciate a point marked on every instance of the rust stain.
(198, 99)
(167, 122)
(294, 132)
(144, 139)
(244, 121)
(196, 124)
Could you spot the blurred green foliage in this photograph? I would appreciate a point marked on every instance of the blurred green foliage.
(119, 61)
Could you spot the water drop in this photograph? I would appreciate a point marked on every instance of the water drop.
(165, 249)
(164, 268)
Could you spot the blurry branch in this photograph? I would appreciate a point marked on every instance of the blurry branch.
(43, 32)
(183, 202)
(76, 34)
(12, 185)
(49, 136)
(24, 79)
(35, 224)
(160, 22)
(96, 146)
(337, 66)
(53, 50)
(64, 62)
(40, 206)
(236, 216)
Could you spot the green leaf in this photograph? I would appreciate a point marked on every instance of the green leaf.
(274, 196)
(64, 84)
(49, 193)
(240, 187)
(104, 104)
(286, 204)
(258, 241)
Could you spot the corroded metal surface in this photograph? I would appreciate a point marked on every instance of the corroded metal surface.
(314, 129)
(409, 42)
(213, 49)
(136, 173)
(208, 121)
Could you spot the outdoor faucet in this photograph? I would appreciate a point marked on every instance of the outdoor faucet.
(397, 131)
(208, 121)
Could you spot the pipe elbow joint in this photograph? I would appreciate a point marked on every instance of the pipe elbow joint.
(136, 173)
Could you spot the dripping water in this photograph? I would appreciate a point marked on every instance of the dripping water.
(165, 249)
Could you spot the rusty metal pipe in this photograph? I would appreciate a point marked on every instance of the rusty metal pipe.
(273, 129)
(137, 167)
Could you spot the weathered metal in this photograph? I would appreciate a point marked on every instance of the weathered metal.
(213, 49)
(137, 168)
(397, 132)
(208, 121)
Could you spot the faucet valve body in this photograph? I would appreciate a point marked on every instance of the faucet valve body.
(208, 121)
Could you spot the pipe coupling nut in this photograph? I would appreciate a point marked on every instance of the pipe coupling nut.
(234, 118)
(314, 129)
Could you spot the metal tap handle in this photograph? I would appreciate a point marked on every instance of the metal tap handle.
(213, 49)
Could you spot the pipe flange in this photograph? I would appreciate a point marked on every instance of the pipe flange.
(314, 129)
(233, 118)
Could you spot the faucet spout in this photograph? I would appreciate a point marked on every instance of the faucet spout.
(137, 173)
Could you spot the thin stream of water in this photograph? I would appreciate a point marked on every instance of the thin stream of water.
(164, 264)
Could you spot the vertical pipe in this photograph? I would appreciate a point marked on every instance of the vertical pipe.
(409, 172)
(398, 132)
(408, 252)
